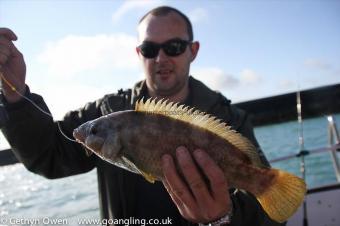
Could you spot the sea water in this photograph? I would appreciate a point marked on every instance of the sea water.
(282, 139)
(29, 199)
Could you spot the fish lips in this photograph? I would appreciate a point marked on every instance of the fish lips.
(79, 135)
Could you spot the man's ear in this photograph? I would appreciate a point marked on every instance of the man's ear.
(194, 50)
(137, 51)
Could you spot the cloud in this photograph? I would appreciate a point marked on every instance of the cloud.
(218, 79)
(198, 15)
(73, 54)
(73, 95)
(215, 78)
(63, 95)
(245, 85)
(128, 6)
(318, 64)
(248, 76)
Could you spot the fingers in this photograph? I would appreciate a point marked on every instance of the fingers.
(12, 67)
(5, 50)
(176, 184)
(193, 177)
(218, 184)
(190, 193)
(215, 175)
(15, 52)
(8, 33)
(184, 211)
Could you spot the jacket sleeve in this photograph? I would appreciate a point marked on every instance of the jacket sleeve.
(37, 142)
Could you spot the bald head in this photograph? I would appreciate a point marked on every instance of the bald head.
(165, 11)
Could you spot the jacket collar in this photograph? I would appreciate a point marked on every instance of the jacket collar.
(203, 98)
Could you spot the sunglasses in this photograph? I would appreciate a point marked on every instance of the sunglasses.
(172, 47)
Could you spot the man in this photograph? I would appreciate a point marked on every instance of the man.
(166, 51)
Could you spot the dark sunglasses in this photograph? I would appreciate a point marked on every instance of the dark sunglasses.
(172, 47)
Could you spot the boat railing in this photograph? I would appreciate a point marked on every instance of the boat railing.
(333, 148)
(333, 137)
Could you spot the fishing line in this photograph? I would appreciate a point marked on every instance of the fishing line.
(13, 88)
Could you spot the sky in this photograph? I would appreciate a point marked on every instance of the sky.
(76, 51)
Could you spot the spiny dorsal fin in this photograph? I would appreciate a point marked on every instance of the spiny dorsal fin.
(202, 120)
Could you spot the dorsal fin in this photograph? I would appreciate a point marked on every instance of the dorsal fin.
(202, 120)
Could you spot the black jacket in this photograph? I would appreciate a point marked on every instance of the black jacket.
(39, 145)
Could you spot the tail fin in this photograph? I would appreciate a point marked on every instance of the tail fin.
(281, 200)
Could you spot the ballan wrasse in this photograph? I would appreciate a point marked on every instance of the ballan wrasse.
(136, 141)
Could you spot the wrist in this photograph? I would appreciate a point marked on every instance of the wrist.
(225, 220)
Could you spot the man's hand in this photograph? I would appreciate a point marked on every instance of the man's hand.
(12, 66)
(196, 201)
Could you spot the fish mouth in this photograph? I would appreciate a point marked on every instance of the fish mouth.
(79, 135)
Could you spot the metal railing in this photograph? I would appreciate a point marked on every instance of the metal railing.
(333, 148)
(333, 136)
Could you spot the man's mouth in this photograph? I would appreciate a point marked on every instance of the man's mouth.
(164, 73)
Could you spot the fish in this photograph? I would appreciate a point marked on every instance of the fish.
(137, 139)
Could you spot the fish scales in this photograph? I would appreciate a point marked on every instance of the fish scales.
(136, 140)
(144, 148)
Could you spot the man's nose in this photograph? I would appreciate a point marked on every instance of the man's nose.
(161, 57)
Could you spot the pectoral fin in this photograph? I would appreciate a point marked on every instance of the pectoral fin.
(150, 178)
